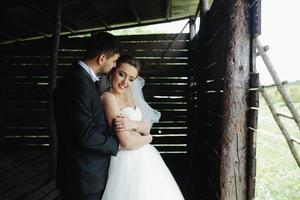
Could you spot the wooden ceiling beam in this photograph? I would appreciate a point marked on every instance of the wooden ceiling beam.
(33, 30)
(135, 13)
(10, 36)
(91, 8)
(102, 28)
(40, 11)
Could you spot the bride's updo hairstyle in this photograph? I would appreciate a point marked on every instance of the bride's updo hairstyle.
(129, 60)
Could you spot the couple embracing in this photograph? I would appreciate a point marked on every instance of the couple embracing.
(104, 150)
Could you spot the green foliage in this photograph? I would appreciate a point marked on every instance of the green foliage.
(293, 90)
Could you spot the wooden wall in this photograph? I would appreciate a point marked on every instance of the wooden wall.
(208, 57)
(24, 91)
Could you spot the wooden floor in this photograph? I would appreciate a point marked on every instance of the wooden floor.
(23, 175)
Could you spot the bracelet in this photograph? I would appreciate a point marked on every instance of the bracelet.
(138, 126)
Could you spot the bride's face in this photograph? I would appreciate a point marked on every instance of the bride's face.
(123, 77)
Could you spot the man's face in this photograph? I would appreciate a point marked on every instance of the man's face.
(109, 64)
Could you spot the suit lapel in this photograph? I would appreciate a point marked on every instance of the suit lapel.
(93, 84)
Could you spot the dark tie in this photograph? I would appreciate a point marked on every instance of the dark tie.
(97, 85)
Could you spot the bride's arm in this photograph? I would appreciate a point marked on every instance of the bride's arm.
(127, 139)
(141, 127)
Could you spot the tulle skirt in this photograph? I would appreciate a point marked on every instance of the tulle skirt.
(140, 174)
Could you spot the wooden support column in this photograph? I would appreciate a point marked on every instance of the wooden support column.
(204, 6)
(192, 27)
(233, 163)
(52, 84)
(2, 87)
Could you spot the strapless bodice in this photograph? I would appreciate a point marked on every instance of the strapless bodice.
(134, 114)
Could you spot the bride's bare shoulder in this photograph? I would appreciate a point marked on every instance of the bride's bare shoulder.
(108, 95)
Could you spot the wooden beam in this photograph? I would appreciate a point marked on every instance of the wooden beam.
(135, 13)
(2, 87)
(280, 124)
(286, 98)
(168, 9)
(40, 11)
(52, 84)
(91, 8)
(9, 4)
(192, 23)
(204, 7)
(9, 36)
(233, 161)
(295, 140)
(23, 26)
(158, 21)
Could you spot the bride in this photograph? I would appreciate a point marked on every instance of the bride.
(138, 172)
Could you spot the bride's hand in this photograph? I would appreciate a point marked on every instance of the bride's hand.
(122, 123)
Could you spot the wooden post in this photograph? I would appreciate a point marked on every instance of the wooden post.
(281, 126)
(204, 6)
(192, 27)
(233, 162)
(52, 84)
(2, 87)
(278, 84)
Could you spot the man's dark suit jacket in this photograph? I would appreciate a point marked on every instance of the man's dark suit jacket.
(85, 140)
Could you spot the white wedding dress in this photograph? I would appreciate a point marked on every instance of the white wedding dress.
(140, 174)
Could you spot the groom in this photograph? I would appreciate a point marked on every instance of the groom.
(85, 140)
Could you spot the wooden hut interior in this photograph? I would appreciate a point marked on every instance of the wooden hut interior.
(190, 78)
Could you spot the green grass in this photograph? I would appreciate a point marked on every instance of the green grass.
(277, 175)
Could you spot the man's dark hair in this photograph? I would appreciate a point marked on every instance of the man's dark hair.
(102, 43)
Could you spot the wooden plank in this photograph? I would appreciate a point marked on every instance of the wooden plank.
(171, 125)
(171, 148)
(167, 80)
(13, 141)
(32, 96)
(80, 43)
(26, 105)
(27, 60)
(27, 173)
(42, 192)
(170, 140)
(165, 93)
(37, 51)
(149, 53)
(173, 118)
(2, 101)
(158, 131)
(154, 37)
(26, 118)
(19, 160)
(9, 158)
(165, 99)
(174, 112)
(165, 87)
(182, 105)
(52, 195)
(22, 190)
(26, 131)
(26, 79)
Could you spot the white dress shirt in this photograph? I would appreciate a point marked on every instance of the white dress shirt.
(92, 74)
